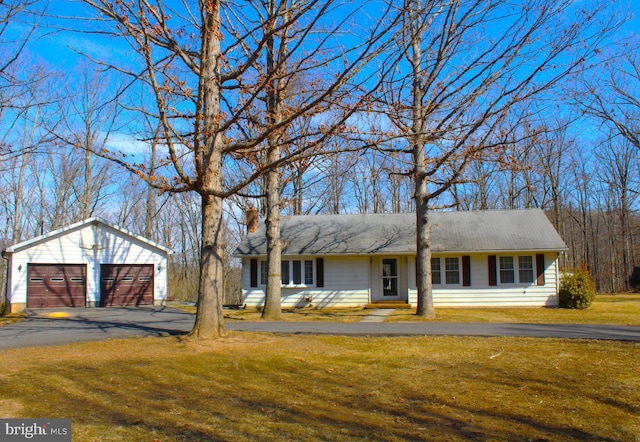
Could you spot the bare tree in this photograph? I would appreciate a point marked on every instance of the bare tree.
(18, 81)
(619, 171)
(203, 66)
(612, 93)
(466, 64)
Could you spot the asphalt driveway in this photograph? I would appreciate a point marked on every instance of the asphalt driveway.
(63, 326)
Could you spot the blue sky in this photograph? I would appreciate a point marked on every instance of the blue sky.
(56, 44)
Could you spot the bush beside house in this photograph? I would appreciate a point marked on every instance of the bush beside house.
(577, 290)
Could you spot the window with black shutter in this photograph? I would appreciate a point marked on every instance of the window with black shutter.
(493, 278)
(253, 270)
(540, 269)
(466, 271)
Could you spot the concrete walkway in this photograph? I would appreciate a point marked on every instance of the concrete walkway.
(43, 327)
(378, 315)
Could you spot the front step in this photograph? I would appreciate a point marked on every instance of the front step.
(388, 304)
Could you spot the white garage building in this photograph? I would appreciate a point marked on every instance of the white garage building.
(88, 264)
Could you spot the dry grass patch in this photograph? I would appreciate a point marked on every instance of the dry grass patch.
(304, 314)
(619, 309)
(266, 387)
(296, 314)
(11, 318)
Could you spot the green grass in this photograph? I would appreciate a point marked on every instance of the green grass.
(266, 387)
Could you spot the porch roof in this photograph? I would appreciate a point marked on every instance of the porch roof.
(386, 234)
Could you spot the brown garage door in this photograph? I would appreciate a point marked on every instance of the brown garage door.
(56, 285)
(125, 285)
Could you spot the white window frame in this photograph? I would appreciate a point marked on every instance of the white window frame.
(308, 281)
(512, 269)
(439, 271)
(263, 272)
(445, 282)
(303, 275)
(533, 269)
(517, 281)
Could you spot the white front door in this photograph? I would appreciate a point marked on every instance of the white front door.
(390, 278)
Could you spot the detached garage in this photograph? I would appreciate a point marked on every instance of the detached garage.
(87, 264)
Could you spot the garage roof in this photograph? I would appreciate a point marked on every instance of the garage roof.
(374, 234)
(91, 221)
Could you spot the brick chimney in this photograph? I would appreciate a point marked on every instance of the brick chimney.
(251, 218)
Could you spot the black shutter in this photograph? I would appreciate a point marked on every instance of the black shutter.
(466, 271)
(319, 272)
(253, 267)
(540, 269)
(493, 278)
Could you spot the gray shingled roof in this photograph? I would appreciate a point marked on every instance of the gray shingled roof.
(375, 234)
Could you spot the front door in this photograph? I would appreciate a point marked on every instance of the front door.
(389, 278)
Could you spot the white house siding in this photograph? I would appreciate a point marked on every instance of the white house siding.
(346, 284)
(480, 294)
(93, 245)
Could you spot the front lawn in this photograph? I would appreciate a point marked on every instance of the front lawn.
(619, 309)
(265, 387)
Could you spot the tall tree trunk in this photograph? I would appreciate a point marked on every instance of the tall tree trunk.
(209, 323)
(272, 304)
(424, 286)
(209, 319)
(425, 306)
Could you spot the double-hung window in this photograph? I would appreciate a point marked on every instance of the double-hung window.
(523, 266)
(436, 276)
(292, 272)
(507, 270)
(263, 272)
(308, 272)
(284, 272)
(297, 272)
(525, 269)
(452, 270)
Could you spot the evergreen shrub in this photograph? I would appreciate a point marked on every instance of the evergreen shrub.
(577, 290)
